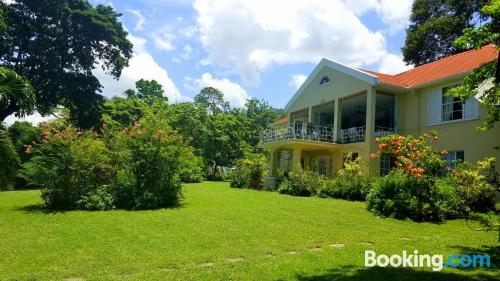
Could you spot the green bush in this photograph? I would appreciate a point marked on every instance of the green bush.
(68, 165)
(350, 183)
(473, 184)
(249, 172)
(147, 158)
(9, 160)
(302, 183)
(400, 196)
(191, 168)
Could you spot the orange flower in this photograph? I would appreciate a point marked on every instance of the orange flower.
(444, 152)
(435, 138)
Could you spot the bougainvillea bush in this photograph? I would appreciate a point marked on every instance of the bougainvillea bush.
(137, 167)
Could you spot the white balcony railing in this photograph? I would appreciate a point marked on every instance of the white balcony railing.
(319, 133)
(299, 131)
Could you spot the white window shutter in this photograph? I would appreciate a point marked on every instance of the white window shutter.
(435, 101)
(471, 108)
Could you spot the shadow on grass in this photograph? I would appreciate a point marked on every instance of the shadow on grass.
(42, 209)
(349, 273)
(492, 251)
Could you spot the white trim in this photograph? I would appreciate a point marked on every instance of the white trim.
(356, 73)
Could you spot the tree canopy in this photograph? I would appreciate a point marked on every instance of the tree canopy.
(488, 74)
(15, 92)
(57, 45)
(147, 90)
(212, 99)
(435, 24)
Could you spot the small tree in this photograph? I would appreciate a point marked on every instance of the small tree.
(415, 156)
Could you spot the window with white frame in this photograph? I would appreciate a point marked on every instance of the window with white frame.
(452, 108)
(386, 164)
(454, 157)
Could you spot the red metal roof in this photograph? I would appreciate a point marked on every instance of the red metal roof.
(445, 67)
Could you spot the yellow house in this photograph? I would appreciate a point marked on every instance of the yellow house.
(341, 109)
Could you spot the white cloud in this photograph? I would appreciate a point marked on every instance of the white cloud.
(141, 66)
(34, 119)
(164, 41)
(233, 92)
(395, 14)
(247, 37)
(187, 51)
(141, 20)
(297, 80)
(393, 64)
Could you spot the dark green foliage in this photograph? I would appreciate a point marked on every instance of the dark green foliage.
(148, 91)
(9, 160)
(302, 183)
(350, 182)
(434, 24)
(400, 196)
(57, 45)
(191, 168)
(477, 37)
(212, 99)
(22, 135)
(15, 92)
(120, 112)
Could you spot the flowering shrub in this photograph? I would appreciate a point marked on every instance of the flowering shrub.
(191, 167)
(147, 157)
(68, 164)
(137, 167)
(414, 156)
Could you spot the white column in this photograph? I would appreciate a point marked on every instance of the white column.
(309, 115)
(297, 153)
(337, 119)
(370, 114)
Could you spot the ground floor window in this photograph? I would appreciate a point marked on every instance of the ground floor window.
(453, 158)
(386, 164)
(322, 166)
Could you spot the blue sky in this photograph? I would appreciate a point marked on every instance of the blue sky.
(262, 49)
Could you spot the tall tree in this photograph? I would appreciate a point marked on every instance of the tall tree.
(212, 99)
(147, 90)
(56, 45)
(15, 92)
(488, 73)
(434, 24)
(259, 114)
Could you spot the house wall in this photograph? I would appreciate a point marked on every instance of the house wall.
(412, 118)
(340, 85)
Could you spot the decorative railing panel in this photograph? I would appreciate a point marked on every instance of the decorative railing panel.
(319, 133)
(299, 131)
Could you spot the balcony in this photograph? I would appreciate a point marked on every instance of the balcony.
(299, 131)
(310, 132)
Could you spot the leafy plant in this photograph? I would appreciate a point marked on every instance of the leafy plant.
(302, 183)
(350, 182)
(249, 172)
(9, 160)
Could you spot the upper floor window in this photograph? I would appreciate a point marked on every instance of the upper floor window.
(452, 108)
(325, 79)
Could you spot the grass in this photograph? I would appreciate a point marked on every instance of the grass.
(221, 233)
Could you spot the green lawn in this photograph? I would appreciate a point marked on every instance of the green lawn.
(221, 233)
